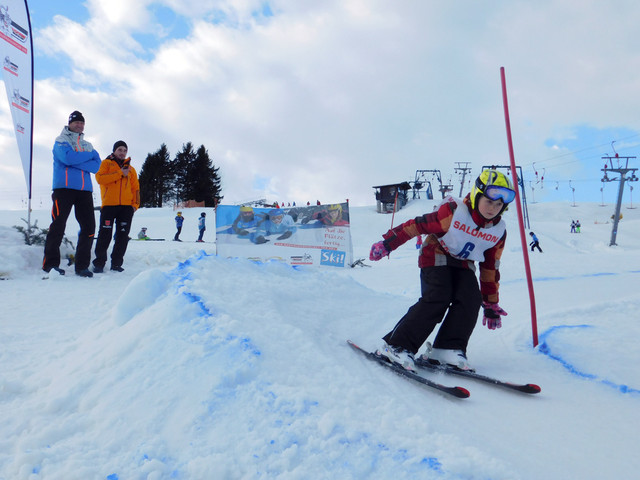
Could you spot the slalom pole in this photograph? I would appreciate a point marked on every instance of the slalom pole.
(395, 204)
(523, 237)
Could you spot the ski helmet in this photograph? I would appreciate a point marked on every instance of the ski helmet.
(336, 207)
(494, 185)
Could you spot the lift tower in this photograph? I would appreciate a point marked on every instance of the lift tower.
(622, 171)
(462, 167)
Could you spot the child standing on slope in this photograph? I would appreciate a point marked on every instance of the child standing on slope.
(179, 221)
(201, 226)
(459, 232)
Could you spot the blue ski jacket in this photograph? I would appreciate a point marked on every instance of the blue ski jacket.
(74, 160)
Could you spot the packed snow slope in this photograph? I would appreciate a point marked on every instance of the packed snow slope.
(191, 366)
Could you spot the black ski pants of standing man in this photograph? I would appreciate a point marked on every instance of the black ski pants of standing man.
(82, 202)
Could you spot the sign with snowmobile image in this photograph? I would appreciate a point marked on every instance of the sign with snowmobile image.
(308, 235)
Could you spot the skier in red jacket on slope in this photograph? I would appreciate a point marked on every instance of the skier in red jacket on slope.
(459, 233)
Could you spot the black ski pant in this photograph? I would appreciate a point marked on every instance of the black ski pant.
(112, 217)
(448, 293)
(177, 236)
(82, 202)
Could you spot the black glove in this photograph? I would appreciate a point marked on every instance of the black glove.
(260, 239)
(286, 234)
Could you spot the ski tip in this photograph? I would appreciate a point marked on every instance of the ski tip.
(533, 388)
(461, 392)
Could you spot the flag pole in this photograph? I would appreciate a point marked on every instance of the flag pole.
(523, 238)
(29, 186)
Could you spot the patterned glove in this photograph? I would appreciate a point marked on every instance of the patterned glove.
(378, 251)
(493, 314)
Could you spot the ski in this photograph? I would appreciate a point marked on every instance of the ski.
(457, 392)
(530, 388)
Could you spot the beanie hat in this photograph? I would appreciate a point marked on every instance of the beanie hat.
(119, 143)
(76, 116)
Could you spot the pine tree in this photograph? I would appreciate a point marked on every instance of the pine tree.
(156, 178)
(189, 176)
(206, 183)
(183, 173)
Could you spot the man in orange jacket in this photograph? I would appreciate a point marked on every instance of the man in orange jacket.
(120, 192)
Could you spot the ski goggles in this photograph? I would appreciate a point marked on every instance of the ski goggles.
(495, 192)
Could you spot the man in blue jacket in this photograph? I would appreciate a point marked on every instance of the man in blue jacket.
(74, 159)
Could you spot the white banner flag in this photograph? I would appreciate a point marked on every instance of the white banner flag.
(16, 47)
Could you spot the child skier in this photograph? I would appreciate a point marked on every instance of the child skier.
(535, 243)
(179, 221)
(459, 232)
(142, 234)
(201, 226)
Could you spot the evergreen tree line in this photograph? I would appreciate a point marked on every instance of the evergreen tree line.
(189, 176)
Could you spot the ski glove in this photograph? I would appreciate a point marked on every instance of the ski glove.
(493, 314)
(285, 235)
(378, 251)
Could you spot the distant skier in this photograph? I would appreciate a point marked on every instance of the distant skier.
(179, 220)
(142, 234)
(534, 242)
(201, 226)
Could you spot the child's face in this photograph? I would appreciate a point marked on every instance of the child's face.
(489, 208)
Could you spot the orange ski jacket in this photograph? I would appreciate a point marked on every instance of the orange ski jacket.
(116, 189)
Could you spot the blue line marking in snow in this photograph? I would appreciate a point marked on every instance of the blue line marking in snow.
(584, 275)
(546, 350)
(286, 409)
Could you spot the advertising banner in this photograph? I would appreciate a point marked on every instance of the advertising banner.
(16, 48)
(310, 235)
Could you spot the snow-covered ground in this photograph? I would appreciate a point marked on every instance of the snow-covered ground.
(191, 366)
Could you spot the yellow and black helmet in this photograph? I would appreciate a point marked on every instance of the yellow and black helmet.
(494, 185)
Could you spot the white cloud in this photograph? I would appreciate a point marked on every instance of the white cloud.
(326, 99)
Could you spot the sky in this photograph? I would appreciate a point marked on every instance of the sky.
(190, 365)
(300, 101)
